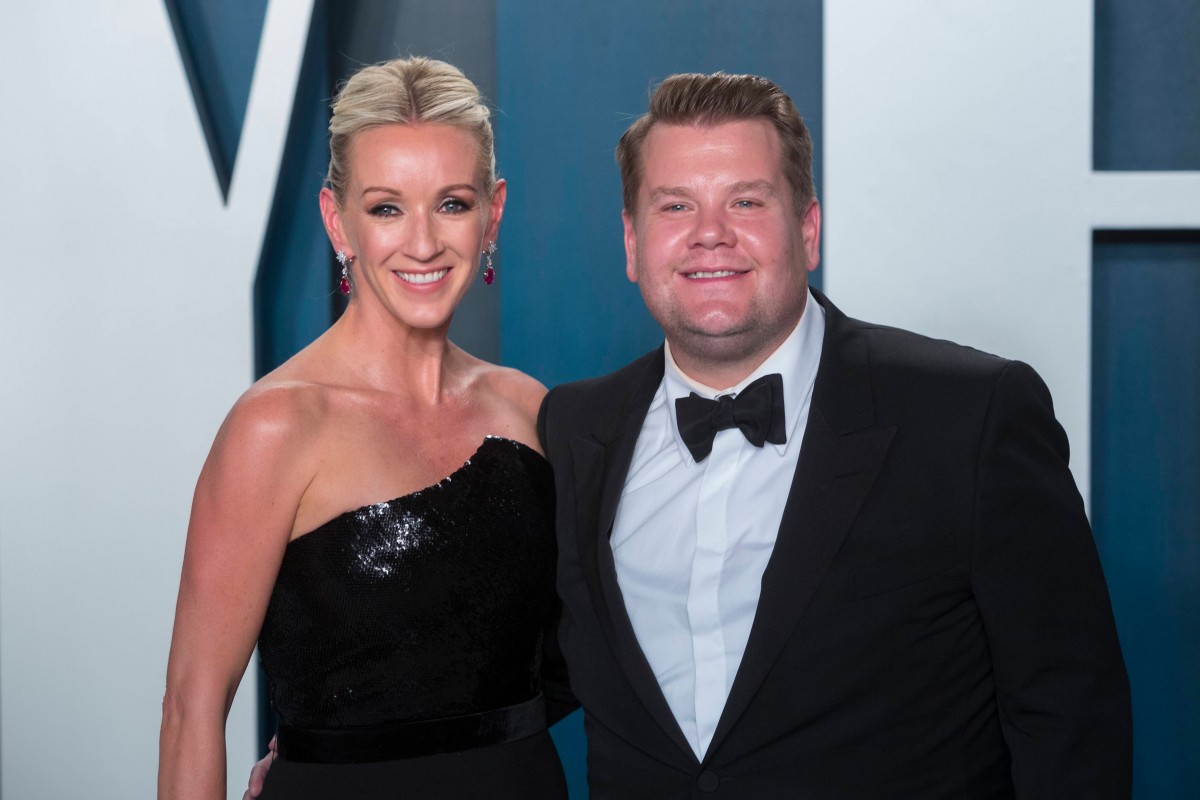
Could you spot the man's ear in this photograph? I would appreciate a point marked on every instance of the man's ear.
(630, 246)
(810, 230)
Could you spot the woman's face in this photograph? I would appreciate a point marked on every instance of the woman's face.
(415, 217)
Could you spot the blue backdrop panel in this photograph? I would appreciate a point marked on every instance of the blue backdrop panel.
(295, 286)
(1147, 76)
(1146, 487)
(218, 41)
(572, 76)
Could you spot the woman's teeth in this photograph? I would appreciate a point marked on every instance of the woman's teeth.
(422, 277)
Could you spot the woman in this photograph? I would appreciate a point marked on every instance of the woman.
(401, 636)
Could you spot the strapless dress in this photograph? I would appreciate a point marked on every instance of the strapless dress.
(403, 642)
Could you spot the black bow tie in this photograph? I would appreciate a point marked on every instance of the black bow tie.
(757, 411)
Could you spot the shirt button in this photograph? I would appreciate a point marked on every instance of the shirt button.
(708, 781)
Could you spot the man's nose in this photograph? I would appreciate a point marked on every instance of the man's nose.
(713, 228)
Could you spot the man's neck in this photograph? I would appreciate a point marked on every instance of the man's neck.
(707, 364)
(721, 375)
(716, 376)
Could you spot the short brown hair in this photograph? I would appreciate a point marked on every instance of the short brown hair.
(696, 99)
(407, 91)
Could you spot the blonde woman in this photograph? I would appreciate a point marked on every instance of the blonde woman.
(375, 513)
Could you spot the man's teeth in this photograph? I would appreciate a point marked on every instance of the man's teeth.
(422, 277)
(720, 273)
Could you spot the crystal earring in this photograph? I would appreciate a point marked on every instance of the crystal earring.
(344, 260)
(489, 272)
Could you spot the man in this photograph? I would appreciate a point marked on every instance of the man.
(865, 571)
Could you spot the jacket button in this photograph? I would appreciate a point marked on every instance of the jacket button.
(708, 781)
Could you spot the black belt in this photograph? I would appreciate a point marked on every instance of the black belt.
(411, 739)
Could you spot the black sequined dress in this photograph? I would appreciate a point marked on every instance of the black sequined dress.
(403, 642)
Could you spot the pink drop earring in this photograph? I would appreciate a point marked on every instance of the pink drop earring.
(489, 272)
(345, 261)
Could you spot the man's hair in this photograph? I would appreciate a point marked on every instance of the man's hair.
(696, 99)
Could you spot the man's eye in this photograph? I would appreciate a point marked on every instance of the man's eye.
(675, 207)
(746, 203)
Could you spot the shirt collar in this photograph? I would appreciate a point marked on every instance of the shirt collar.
(796, 360)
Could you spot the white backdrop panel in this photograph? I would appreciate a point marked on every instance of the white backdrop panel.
(126, 337)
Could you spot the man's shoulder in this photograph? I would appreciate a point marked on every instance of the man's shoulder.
(604, 402)
(914, 373)
(605, 389)
(900, 346)
(888, 348)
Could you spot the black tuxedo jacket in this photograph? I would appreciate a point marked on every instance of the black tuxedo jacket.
(933, 621)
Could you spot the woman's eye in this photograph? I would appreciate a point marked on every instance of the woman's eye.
(384, 210)
(455, 206)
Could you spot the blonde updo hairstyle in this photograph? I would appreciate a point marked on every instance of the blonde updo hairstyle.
(406, 91)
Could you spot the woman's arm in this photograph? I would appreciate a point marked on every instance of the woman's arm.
(242, 517)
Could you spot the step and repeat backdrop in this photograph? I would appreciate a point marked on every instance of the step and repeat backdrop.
(1022, 177)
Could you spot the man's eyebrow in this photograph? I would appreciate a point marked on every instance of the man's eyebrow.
(759, 186)
(659, 192)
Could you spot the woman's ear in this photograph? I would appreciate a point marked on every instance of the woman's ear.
(496, 211)
(331, 215)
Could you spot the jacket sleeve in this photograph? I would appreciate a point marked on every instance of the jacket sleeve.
(1061, 683)
(556, 686)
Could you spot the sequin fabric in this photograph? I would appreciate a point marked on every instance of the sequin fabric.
(430, 605)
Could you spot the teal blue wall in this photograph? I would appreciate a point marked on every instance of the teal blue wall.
(218, 43)
(1147, 85)
(1146, 488)
(295, 296)
(1146, 386)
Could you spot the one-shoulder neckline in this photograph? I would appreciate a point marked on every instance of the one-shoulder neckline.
(439, 484)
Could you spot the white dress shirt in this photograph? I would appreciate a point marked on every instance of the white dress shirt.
(691, 540)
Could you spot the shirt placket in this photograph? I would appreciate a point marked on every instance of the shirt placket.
(703, 606)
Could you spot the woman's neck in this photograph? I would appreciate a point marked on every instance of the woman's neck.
(389, 356)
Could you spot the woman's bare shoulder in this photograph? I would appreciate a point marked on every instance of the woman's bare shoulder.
(273, 425)
(510, 397)
(514, 386)
(280, 407)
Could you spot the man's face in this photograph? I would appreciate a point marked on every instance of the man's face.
(716, 245)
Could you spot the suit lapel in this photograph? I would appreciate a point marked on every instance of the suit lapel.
(600, 463)
(840, 457)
